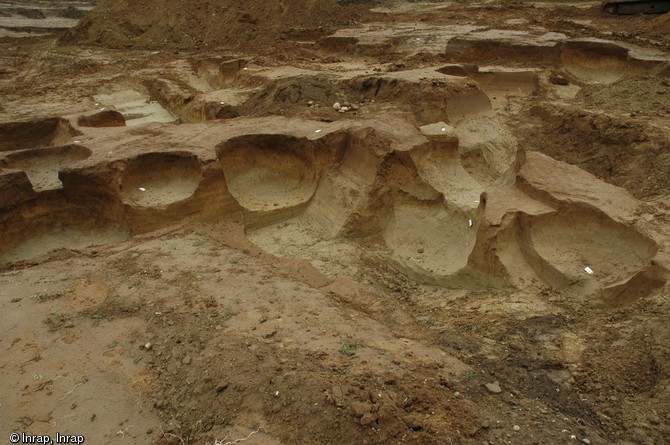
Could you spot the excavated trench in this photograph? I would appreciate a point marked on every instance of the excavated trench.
(416, 208)
(446, 205)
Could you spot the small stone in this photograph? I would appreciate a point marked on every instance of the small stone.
(310, 103)
(419, 250)
(494, 387)
(148, 346)
(342, 110)
(337, 106)
(222, 387)
(186, 360)
(14, 300)
(586, 441)
(516, 428)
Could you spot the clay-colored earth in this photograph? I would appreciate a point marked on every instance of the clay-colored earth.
(197, 247)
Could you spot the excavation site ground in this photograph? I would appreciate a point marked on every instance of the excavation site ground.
(334, 222)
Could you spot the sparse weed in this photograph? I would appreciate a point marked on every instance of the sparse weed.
(42, 297)
(348, 348)
(210, 302)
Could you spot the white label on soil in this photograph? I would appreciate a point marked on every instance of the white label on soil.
(142, 189)
(317, 131)
(470, 223)
(588, 270)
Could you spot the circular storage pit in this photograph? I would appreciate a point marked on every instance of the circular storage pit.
(573, 240)
(160, 179)
(432, 237)
(267, 172)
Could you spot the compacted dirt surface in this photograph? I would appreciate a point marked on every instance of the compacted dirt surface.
(323, 222)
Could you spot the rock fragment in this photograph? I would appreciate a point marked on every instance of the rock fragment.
(494, 387)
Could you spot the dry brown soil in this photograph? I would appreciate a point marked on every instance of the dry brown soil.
(197, 248)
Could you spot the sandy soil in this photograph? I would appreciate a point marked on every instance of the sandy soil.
(197, 247)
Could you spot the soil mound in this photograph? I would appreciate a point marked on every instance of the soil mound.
(658, 29)
(254, 25)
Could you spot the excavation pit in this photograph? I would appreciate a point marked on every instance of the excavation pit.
(105, 118)
(43, 164)
(498, 82)
(269, 172)
(595, 65)
(430, 238)
(35, 133)
(578, 244)
(160, 179)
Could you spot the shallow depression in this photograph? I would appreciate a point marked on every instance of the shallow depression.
(35, 133)
(430, 236)
(42, 165)
(160, 179)
(267, 172)
(572, 240)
